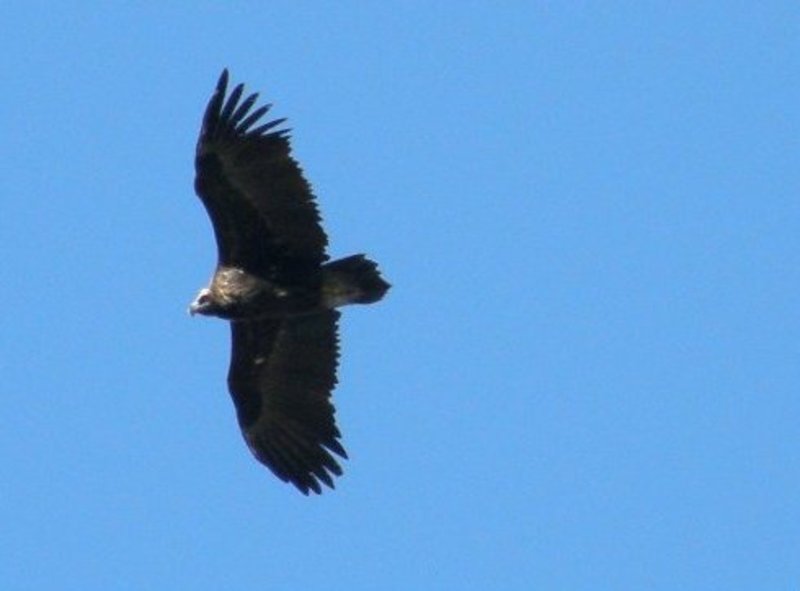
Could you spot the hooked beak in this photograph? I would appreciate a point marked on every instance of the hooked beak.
(201, 303)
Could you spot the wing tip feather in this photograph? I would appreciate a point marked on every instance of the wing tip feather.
(231, 116)
(298, 460)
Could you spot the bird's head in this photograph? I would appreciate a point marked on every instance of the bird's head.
(204, 303)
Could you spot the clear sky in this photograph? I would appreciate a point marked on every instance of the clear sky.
(586, 376)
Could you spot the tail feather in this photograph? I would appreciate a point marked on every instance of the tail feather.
(353, 280)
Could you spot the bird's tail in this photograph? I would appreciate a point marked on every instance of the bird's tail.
(352, 280)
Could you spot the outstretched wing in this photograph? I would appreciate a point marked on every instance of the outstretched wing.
(281, 376)
(260, 205)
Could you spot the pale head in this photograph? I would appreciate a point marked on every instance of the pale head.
(203, 303)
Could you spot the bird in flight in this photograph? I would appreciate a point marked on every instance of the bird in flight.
(277, 287)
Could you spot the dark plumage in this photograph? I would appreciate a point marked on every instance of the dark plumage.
(275, 286)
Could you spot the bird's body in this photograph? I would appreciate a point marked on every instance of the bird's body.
(236, 294)
(275, 285)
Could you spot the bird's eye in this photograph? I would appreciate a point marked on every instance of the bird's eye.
(204, 299)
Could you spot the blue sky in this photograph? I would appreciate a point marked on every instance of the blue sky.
(585, 377)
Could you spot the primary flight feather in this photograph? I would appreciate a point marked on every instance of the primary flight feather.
(274, 283)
